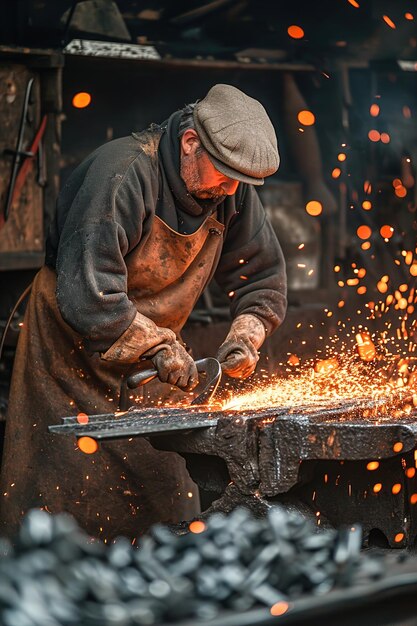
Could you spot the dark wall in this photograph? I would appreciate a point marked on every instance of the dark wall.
(127, 96)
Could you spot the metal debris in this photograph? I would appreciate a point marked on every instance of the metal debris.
(55, 575)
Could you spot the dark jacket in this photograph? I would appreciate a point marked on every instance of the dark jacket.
(104, 211)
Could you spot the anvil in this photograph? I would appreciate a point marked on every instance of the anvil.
(313, 458)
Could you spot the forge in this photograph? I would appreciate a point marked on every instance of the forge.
(337, 462)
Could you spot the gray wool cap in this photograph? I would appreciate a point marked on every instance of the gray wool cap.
(237, 134)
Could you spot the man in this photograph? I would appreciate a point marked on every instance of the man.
(142, 226)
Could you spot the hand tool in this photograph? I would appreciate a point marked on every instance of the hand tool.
(209, 367)
(23, 159)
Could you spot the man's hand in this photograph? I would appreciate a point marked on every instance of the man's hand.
(238, 358)
(175, 366)
(238, 354)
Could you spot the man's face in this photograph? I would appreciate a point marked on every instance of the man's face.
(199, 174)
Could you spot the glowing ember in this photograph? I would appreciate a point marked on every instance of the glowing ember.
(81, 100)
(87, 445)
(374, 135)
(386, 231)
(314, 207)
(306, 118)
(366, 347)
(296, 32)
(197, 527)
(388, 21)
(279, 608)
(320, 385)
(364, 232)
(400, 191)
(293, 360)
(326, 366)
(82, 418)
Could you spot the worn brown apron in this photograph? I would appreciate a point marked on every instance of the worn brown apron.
(125, 486)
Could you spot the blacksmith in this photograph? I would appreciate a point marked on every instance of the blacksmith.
(142, 226)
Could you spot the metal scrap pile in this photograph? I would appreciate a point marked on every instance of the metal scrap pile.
(55, 575)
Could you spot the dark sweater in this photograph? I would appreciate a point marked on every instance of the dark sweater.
(104, 211)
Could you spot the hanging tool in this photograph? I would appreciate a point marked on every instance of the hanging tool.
(23, 159)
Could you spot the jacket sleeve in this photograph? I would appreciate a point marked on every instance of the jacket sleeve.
(104, 222)
(251, 270)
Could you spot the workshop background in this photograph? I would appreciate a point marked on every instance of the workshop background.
(339, 81)
(337, 78)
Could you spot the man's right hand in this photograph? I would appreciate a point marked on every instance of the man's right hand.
(175, 366)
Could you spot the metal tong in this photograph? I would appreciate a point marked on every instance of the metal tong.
(209, 367)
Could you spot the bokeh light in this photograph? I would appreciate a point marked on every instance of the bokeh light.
(364, 231)
(374, 135)
(296, 32)
(314, 207)
(88, 445)
(388, 21)
(306, 118)
(81, 100)
(386, 231)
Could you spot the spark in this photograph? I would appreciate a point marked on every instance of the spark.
(295, 32)
(307, 118)
(314, 208)
(388, 21)
(197, 527)
(279, 608)
(374, 135)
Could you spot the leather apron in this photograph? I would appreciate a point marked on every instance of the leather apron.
(126, 486)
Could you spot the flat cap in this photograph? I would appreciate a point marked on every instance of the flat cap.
(237, 134)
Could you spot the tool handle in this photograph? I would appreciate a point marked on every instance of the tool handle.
(137, 379)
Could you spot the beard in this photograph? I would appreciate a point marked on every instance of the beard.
(189, 171)
(212, 193)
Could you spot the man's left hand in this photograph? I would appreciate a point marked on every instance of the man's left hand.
(238, 354)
